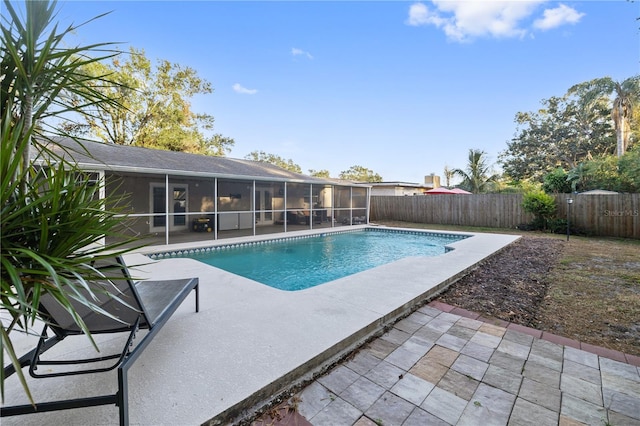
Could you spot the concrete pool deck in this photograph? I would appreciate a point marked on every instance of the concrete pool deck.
(248, 342)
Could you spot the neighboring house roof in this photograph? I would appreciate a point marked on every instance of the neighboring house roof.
(598, 192)
(400, 184)
(118, 158)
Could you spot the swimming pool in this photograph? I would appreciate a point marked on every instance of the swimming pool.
(298, 263)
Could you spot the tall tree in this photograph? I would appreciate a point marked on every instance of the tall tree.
(448, 176)
(320, 173)
(276, 160)
(626, 100)
(153, 107)
(360, 174)
(566, 131)
(477, 176)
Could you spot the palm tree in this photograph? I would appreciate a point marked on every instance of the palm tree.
(51, 218)
(626, 101)
(448, 175)
(477, 176)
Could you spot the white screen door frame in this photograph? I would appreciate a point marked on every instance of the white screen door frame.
(264, 205)
(176, 200)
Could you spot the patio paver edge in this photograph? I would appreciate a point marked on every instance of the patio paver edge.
(587, 347)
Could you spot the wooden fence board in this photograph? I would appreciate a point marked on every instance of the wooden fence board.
(604, 215)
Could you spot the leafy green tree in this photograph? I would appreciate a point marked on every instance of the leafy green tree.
(152, 107)
(477, 177)
(629, 168)
(577, 177)
(602, 173)
(276, 160)
(541, 205)
(52, 221)
(566, 131)
(360, 174)
(557, 181)
(319, 173)
(625, 102)
(609, 173)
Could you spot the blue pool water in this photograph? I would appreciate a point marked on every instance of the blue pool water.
(296, 264)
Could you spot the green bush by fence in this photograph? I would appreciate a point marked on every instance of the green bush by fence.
(603, 215)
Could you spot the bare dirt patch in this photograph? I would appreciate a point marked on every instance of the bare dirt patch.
(511, 285)
(559, 287)
(587, 289)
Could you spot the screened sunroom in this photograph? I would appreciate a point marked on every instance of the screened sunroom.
(174, 197)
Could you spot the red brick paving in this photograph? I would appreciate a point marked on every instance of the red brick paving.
(607, 353)
(465, 313)
(633, 360)
(442, 306)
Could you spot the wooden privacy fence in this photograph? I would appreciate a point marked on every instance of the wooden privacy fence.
(604, 215)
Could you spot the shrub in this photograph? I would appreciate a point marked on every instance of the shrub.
(558, 226)
(541, 205)
(557, 181)
(611, 173)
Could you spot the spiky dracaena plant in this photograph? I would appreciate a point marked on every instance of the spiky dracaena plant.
(52, 221)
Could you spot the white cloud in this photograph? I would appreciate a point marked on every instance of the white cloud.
(419, 14)
(465, 20)
(238, 88)
(553, 18)
(299, 52)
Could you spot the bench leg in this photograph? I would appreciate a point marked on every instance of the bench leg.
(197, 289)
(123, 397)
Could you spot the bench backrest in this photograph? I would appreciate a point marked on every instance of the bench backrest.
(115, 294)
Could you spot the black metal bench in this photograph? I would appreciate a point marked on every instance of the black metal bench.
(132, 306)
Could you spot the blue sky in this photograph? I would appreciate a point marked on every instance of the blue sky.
(400, 87)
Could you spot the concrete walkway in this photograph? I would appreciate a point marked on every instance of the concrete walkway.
(445, 366)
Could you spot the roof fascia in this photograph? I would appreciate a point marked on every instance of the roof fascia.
(152, 171)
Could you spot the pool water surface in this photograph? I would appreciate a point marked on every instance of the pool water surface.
(297, 264)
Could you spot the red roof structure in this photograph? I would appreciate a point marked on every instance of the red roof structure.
(439, 191)
(459, 191)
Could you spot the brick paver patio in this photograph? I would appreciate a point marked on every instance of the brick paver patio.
(446, 366)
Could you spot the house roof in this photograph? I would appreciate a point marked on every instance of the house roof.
(401, 184)
(90, 155)
(598, 192)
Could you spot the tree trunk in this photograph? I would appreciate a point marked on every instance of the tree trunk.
(620, 124)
